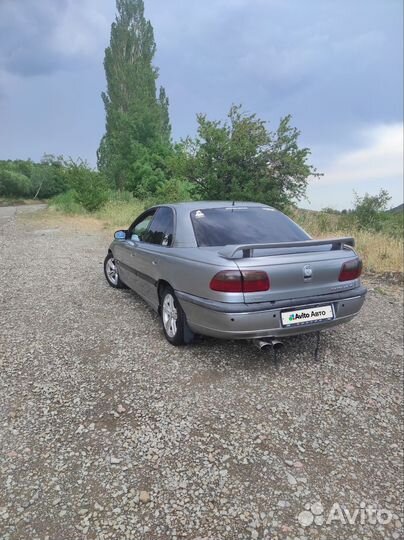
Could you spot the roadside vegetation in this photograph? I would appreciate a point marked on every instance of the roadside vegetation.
(238, 158)
(380, 243)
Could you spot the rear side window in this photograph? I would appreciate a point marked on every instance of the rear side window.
(161, 229)
(243, 225)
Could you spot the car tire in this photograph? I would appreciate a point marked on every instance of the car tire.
(112, 274)
(175, 327)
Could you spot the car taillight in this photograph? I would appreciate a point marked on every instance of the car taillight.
(254, 281)
(236, 281)
(227, 281)
(351, 270)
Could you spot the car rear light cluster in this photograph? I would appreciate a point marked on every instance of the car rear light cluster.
(351, 270)
(244, 281)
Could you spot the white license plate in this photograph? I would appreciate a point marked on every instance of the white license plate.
(309, 315)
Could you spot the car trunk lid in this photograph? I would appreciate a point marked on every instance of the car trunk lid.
(298, 273)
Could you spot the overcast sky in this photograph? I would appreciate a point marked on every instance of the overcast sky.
(335, 65)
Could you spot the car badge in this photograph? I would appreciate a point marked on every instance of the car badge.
(307, 271)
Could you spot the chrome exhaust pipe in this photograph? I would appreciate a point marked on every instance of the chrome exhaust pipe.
(276, 344)
(261, 345)
(264, 344)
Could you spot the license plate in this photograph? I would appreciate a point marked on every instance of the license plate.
(306, 316)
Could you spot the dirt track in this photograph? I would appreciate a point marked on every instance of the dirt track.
(106, 431)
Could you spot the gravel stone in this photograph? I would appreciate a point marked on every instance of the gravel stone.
(144, 497)
(137, 439)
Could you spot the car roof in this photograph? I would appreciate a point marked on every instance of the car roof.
(196, 205)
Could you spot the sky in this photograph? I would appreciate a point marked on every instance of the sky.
(335, 65)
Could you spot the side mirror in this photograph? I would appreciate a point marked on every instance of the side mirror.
(120, 235)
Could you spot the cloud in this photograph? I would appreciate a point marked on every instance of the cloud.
(335, 66)
(39, 38)
(80, 30)
(332, 65)
(379, 158)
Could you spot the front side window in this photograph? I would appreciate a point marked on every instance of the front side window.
(139, 229)
(243, 225)
(161, 228)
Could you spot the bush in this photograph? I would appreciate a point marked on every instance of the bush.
(48, 178)
(121, 196)
(369, 210)
(393, 224)
(90, 187)
(66, 203)
(14, 183)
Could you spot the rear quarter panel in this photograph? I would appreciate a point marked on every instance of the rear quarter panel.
(191, 270)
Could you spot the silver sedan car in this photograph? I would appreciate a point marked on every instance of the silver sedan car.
(235, 270)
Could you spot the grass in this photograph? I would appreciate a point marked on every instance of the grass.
(382, 253)
(119, 214)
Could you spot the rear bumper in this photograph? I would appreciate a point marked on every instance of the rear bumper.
(250, 321)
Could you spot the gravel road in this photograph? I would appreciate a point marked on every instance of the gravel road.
(8, 213)
(108, 432)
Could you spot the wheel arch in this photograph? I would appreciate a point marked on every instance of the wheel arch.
(161, 285)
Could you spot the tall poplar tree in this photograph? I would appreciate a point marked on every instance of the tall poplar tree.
(137, 121)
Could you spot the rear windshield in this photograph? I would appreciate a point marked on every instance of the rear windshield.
(243, 225)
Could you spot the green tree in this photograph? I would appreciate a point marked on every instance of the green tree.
(135, 118)
(174, 190)
(369, 210)
(164, 115)
(240, 159)
(48, 178)
(89, 187)
(14, 183)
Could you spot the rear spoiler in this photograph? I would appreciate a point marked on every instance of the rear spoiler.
(230, 251)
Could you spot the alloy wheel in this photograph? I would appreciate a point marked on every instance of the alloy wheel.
(112, 271)
(170, 315)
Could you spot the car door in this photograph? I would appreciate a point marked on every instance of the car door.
(125, 252)
(149, 251)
